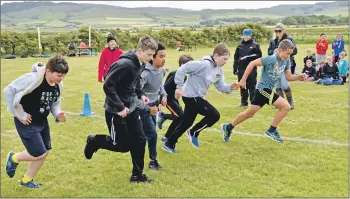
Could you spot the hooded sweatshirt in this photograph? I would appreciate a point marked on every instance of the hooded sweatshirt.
(202, 74)
(24, 85)
(107, 58)
(152, 82)
(122, 84)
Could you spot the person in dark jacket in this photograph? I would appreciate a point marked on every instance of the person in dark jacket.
(283, 85)
(123, 94)
(108, 56)
(330, 74)
(310, 71)
(311, 57)
(173, 104)
(247, 51)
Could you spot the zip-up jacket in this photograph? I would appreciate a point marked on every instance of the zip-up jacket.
(331, 71)
(24, 85)
(107, 58)
(246, 52)
(275, 42)
(321, 47)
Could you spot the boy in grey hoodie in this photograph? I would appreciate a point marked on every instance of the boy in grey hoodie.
(152, 84)
(30, 98)
(202, 74)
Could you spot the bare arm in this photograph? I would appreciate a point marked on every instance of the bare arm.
(250, 67)
(291, 77)
(248, 70)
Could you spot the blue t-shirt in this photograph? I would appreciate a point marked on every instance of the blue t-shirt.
(272, 70)
(338, 46)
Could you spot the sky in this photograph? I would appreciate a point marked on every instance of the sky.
(196, 5)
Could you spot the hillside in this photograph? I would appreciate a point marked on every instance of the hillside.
(69, 16)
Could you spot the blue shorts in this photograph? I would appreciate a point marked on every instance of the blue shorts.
(35, 137)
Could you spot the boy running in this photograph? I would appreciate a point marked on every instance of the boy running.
(202, 74)
(173, 104)
(30, 99)
(273, 67)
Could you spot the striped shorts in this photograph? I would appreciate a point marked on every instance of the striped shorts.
(264, 96)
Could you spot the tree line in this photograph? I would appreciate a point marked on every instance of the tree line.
(26, 43)
(310, 20)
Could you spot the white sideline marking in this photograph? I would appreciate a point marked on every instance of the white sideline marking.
(326, 142)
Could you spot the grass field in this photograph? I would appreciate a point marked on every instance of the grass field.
(312, 162)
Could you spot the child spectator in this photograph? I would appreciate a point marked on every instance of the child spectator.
(343, 66)
(331, 74)
(310, 71)
(319, 70)
(310, 56)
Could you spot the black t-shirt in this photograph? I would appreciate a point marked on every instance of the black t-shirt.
(38, 103)
(311, 72)
(170, 86)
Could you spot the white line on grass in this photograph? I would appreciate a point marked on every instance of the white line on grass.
(326, 142)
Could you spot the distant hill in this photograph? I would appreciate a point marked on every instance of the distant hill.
(69, 16)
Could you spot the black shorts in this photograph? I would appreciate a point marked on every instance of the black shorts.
(35, 137)
(264, 96)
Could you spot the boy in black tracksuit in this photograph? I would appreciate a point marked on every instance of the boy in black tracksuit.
(247, 51)
(123, 94)
(173, 104)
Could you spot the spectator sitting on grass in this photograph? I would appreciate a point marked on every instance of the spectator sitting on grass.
(331, 74)
(311, 57)
(310, 71)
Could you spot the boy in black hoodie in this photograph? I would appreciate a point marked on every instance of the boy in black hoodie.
(173, 104)
(122, 89)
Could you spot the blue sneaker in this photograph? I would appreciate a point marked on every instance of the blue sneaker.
(189, 136)
(163, 139)
(195, 142)
(274, 136)
(160, 120)
(225, 133)
(31, 184)
(169, 149)
(10, 165)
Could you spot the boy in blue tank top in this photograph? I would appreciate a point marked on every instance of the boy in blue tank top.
(273, 67)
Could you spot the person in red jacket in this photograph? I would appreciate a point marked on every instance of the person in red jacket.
(108, 56)
(321, 48)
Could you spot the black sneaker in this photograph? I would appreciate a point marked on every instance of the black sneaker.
(140, 178)
(153, 164)
(243, 105)
(90, 147)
